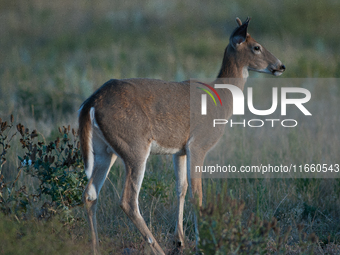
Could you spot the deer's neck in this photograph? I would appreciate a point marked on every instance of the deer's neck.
(233, 71)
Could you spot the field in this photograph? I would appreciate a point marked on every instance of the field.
(54, 54)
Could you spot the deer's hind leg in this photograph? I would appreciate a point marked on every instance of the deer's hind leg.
(135, 163)
(102, 161)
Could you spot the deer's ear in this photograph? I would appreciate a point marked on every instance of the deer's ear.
(238, 21)
(240, 33)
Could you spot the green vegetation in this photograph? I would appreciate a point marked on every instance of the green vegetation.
(223, 229)
(54, 54)
(36, 237)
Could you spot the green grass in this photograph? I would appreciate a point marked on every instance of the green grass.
(55, 54)
(34, 237)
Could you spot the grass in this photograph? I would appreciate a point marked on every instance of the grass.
(33, 237)
(55, 54)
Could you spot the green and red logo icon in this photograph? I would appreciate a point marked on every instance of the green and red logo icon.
(204, 97)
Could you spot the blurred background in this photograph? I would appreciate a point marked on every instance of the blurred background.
(54, 54)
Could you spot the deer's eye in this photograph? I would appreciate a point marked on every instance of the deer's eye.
(257, 48)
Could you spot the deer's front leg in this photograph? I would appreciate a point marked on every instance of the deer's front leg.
(181, 190)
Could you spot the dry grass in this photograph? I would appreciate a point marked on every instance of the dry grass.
(55, 54)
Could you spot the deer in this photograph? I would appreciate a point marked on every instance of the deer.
(134, 118)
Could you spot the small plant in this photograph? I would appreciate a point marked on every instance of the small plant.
(155, 188)
(56, 167)
(9, 197)
(5, 140)
(223, 229)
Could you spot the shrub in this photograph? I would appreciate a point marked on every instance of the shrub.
(225, 229)
(56, 167)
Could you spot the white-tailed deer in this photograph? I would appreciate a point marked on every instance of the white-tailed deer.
(133, 118)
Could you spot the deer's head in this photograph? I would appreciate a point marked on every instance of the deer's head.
(251, 55)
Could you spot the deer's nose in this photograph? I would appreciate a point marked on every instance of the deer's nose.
(283, 67)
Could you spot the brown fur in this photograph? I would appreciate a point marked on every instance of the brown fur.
(132, 115)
